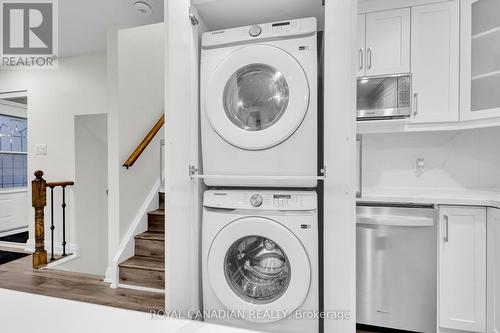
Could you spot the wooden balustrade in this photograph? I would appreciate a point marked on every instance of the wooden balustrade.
(144, 143)
(39, 201)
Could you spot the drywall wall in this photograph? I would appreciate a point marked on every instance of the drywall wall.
(466, 159)
(77, 86)
(141, 91)
(91, 180)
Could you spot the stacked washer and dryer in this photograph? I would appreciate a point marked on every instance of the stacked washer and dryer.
(259, 147)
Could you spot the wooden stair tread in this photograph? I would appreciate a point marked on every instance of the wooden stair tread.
(145, 263)
(157, 212)
(151, 235)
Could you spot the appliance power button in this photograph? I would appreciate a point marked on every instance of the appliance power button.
(254, 30)
(256, 200)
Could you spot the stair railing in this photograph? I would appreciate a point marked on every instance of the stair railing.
(39, 201)
(144, 143)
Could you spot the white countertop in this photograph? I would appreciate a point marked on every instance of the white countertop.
(432, 196)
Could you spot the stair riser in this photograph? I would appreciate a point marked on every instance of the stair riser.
(143, 278)
(150, 248)
(156, 227)
(156, 218)
(162, 201)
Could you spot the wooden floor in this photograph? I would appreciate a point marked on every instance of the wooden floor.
(18, 275)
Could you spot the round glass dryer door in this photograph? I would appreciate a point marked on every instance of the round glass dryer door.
(264, 270)
(257, 97)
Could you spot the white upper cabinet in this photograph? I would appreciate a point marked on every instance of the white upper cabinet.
(462, 268)
(361, 34)
(480, 59)
(387, 42)
(493, 270)
(435, 48)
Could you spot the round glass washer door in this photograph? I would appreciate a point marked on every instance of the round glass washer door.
(257, 97)
(250, 271)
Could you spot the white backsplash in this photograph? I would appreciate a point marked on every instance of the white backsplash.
(456, 160)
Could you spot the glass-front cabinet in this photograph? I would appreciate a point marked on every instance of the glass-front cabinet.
(480, 57)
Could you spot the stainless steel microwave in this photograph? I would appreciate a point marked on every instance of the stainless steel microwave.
(386, 97)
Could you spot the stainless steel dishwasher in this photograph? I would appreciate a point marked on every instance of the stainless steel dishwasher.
(396, 266)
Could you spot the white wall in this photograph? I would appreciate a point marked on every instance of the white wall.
(91, 202)
(55, 96)
(141, 91)
(467, 159)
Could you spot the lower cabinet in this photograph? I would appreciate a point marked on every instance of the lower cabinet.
(493, 270)
(462, 268)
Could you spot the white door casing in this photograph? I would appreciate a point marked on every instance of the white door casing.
(300, 267)
(292, 116)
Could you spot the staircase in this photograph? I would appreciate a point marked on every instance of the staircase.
(147, 267)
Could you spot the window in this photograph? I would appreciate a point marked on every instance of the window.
(13, 151)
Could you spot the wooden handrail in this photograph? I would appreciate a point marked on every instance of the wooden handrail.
(62, 184)
(39, 201)
(144, 143)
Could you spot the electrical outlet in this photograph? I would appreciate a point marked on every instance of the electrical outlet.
(419, 166)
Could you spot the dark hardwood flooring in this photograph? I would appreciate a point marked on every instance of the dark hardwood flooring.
(18, 275)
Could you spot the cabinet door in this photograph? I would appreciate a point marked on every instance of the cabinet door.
(435, 61)
(462, 268)
(480, 59)
(388, 42)
(361, 33)
(493, 270)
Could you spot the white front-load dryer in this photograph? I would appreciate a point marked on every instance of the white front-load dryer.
(260, 260)
(259, 105)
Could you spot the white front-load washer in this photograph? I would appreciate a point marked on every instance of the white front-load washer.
(259, 105)
(260, 259)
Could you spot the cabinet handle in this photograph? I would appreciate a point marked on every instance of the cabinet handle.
(415, 102)
(446, 220)
(361, 59)
(369, 53)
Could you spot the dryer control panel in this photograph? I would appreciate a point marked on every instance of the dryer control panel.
(291, 28)
(261, 200)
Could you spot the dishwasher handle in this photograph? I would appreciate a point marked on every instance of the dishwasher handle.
(395, 221)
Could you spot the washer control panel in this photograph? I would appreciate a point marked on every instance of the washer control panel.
(261, 200)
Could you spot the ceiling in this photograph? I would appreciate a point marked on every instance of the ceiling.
(224, 14)
(83, 24)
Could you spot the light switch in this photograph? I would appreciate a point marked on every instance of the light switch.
(41, 149)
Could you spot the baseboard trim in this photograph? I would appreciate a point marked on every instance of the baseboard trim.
(13, 231)
(61, 261)
(139, 288)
